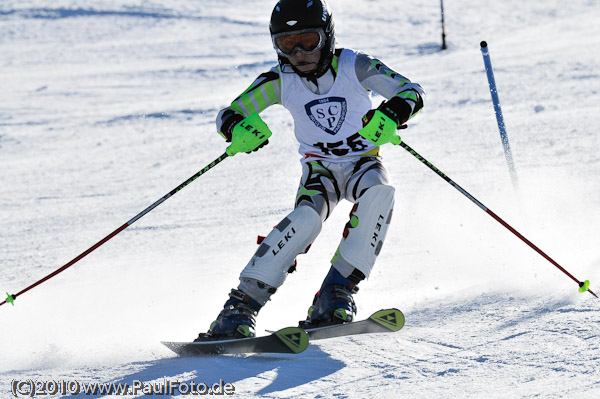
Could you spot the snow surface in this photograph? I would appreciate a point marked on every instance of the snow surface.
(106, 106)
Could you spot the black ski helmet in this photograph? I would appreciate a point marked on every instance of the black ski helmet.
(294, 15)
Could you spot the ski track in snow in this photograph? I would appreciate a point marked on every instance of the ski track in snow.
(106, 107)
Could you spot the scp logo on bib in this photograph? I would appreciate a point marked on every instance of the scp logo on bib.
(327, 113)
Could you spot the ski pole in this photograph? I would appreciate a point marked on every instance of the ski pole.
(11, 298)
(583, 285)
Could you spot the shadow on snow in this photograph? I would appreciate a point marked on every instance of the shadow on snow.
(291, 370)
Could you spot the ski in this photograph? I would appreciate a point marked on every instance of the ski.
(382, 321)
(287, 340)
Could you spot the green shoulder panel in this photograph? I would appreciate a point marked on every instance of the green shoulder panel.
(261, 94)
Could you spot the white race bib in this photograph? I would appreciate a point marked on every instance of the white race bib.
(327, 124)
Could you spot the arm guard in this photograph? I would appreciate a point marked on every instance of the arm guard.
(262, 93)
(404, 98)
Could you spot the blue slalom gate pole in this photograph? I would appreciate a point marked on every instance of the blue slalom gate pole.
(499, 118)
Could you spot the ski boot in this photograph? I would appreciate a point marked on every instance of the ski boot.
(236, 320)
(333, 304)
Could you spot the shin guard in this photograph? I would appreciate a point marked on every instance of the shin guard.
(276, 254)
(365, 232)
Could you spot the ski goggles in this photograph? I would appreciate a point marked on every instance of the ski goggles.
(308, 41)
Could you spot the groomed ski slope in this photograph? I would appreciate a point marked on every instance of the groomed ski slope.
(106, 107)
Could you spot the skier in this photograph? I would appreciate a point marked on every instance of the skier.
(327, 91)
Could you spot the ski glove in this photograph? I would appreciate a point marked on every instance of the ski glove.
(380, 125)
(379, 129)
(229, 119)
(250, 134)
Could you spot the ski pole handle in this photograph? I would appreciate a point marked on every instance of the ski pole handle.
(248, 135)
